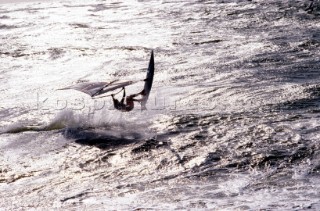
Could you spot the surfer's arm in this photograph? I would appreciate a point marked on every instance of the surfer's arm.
(134, 95)
(137, 100)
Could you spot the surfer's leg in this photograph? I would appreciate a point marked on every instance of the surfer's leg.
(115, 102)
(123, 96)
(142, 92)
(132, 98)
(124, 92)
(114, 99)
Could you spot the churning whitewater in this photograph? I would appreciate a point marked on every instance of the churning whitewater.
(233, 115)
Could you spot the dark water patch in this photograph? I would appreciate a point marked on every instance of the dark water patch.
(197, 32)
(102, 139)
(310, 103)
(286, 57)
(78, 197)
(102, 7)
(315, 164)
(18, 53)
(249, 146)
(299, 104)
(313, 206)
(314, 91)
(302, 153)
(105, 142)
(310, 44)
(129, 48)
(4, 26)
(149, 145)
(265, 58)
(280, 178)
(187, 146)
(80, 25)
(312, 7)
(286, 66)
(56, 53)
(243, 12)
(98, 8)
(315, 171)
(182, 124)
(291, 61)
(29, 9)
(291, 9)
(15, 54)
(280, 157)
(304, 72)
(207, 42)
(4, 17)
(33, 10)
(213, 157)
(210, 173)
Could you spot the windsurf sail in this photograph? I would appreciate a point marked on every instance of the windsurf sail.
(114, 86)
(98, 88)
(148, 82)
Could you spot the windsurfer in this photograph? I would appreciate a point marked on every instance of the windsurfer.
(129, 104)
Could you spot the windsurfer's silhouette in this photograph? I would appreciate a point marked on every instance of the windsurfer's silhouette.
(129, 104)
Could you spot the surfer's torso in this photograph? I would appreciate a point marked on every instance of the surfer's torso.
(125, 107)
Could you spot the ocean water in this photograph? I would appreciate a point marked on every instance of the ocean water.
(232, 122)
